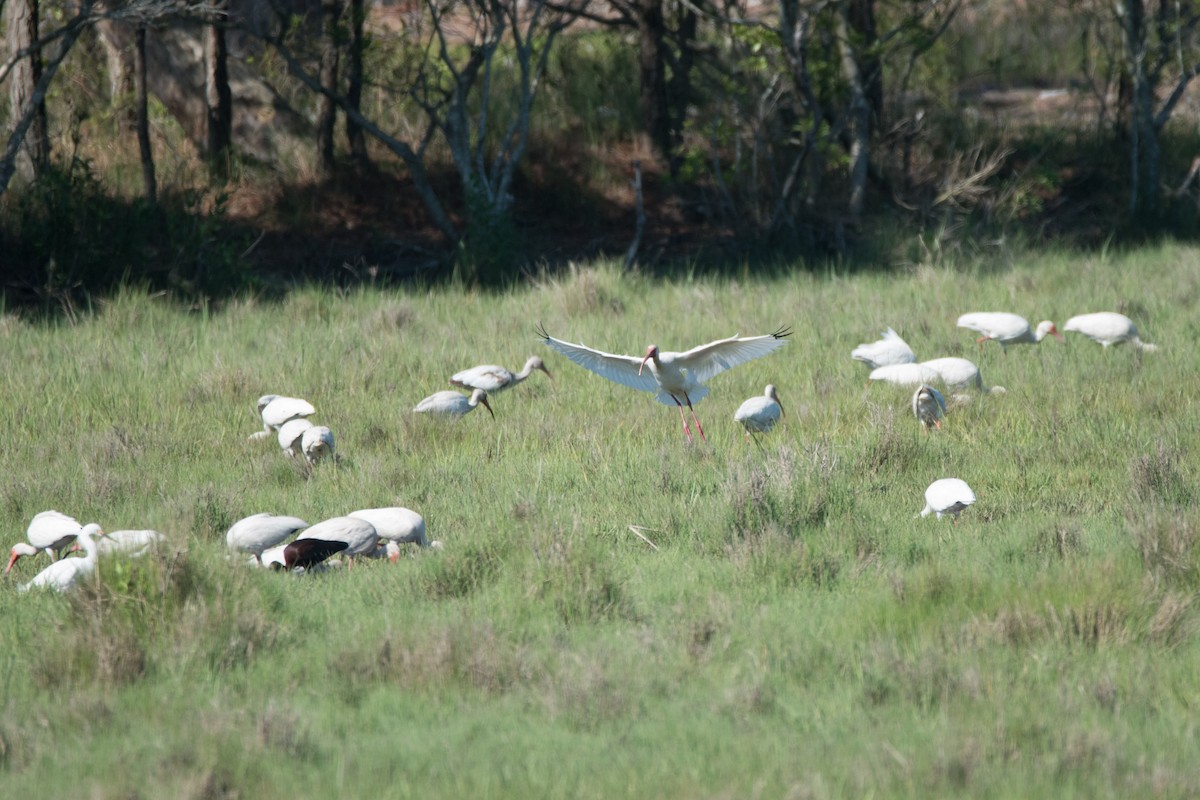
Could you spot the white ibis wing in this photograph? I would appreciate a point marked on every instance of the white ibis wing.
(708, 360)
(619, 369)
(488, 377)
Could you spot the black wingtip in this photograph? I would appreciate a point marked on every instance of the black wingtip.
(782, 332)
(541, 331)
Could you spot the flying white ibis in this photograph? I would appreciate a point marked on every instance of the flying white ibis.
(1006, 328)
(317, 443)
(65, 573)
(905, 374)
(947, 496)
(928, 406)
(397, 524)
(760, 413)
(131, 543)
(453, 404)
(256, 533)
(49, 532)
(492, 378)
(359, 535)
(1108, 328)
(960, 373)
(889, 350)
(275, 410)
(678, 378)
(290, 436)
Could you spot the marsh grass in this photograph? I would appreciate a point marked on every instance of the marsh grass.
(788, 629)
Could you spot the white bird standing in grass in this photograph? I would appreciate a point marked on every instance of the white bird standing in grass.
(1006, 328)
(397, 524)
(317, 443)
(928, 406)
(677, 378)
(359, 535)
(275, 410)
(258, 532)
(291, 435)
(960, 373)
(889, 350)
(453, 404)
(760, 413)
(65, 573)
(905, 374)
(491, 378)
(1108, 328)
(49, 532)
(947, 496)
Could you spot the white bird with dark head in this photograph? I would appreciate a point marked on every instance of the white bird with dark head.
(453, 404)
(49, 532)
(889, 350)
(677, 378)
(1108, 328)
(947, 496)
(491, 378)
(275, 410)
(928, 406)
(66, 573)
(1006, 328)
(258, 532)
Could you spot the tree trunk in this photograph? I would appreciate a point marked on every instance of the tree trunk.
(652, 76)
(1143, 135)
(217, 96)
(331, 10)
(859, 114)
(21, 24)
(355, 137)
(150, 186)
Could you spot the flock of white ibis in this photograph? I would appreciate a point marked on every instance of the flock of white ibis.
(676, 378)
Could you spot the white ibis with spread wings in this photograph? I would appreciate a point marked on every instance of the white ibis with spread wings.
(677, 378)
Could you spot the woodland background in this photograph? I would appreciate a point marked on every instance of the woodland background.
(207, 148)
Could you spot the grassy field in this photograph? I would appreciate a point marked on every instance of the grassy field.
(796, 633)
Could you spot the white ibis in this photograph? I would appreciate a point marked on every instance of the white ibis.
(678, 378)
(397, 524)
(928, 406)
(65, 573)
(492, 378)
(256, 533)
(275, 410)
(760, 413)
(889, 350)
(453, 404)
(1006, 328)
(290, 436)
(905, 374)
(49, 532)
(317, 443)
(960, 373)
(359, 535)
(130, 543)
(1108, 328)
(947, 496)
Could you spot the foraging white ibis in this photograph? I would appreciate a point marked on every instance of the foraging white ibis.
(1108, 328)
(397, 524)
(928, 406)
(275, 410)
(960, 373)
(359, 535)
(905, 374)
(65, 573)
(453, 404)
(760, 413)
(947, 496)
(256, 533)
(1006, 328)
(49, 532)
(317, 443)
(678, 378)
(290, 436)
(130, 543)
(889, 350)
(492, 378)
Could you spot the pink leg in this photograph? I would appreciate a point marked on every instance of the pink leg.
(697, 419)
(687, 431)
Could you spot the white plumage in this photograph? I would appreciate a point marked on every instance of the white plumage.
(397, 524)
(453, 404)
(1006, 328)
(49, 532)
(960, 373)
(905, 374)
(760, 413)
(258, 532)
(359, 535)
(317, 443)
(947, 496)
(677, 378)
(491, 378)
(928, 406)
(66, 573)
(276, 410)
(1108, 328)
(130, 543)
(291, 435)
(889, 350)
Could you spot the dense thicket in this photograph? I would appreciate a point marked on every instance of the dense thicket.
(486, 135)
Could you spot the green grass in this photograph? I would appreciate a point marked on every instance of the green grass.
(797, 632)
